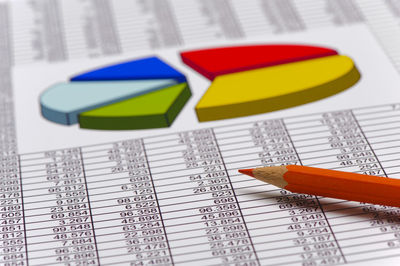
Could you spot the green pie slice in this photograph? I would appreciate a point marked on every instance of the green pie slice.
(152, 110)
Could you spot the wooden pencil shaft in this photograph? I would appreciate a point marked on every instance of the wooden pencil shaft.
(387, 200)
(331, 183)
(332, 180)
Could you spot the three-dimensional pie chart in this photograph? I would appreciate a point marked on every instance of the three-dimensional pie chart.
(248, 80)
(144, 93)
(245, 80)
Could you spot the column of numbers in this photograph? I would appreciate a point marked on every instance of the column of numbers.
(335, 140)
(380, 126)
(129, 227)
(58, 220)
(305, 236)
(12, 231)
(205, 209)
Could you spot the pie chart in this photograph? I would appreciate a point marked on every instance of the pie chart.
(248, 80)
(245, 80)
(138, 94)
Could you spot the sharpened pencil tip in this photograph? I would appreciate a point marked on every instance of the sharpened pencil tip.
(247, 172)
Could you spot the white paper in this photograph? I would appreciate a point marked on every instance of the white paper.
(73, 196)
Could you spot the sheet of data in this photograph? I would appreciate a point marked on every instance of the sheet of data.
(178, 199)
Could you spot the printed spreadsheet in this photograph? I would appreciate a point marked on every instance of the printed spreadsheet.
(178, 199)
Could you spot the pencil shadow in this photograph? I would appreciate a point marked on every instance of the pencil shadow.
(386, 215)
(332, 208)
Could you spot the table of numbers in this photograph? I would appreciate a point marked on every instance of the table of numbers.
(177, 199)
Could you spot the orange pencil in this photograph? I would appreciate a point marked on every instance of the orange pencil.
(330, 183)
